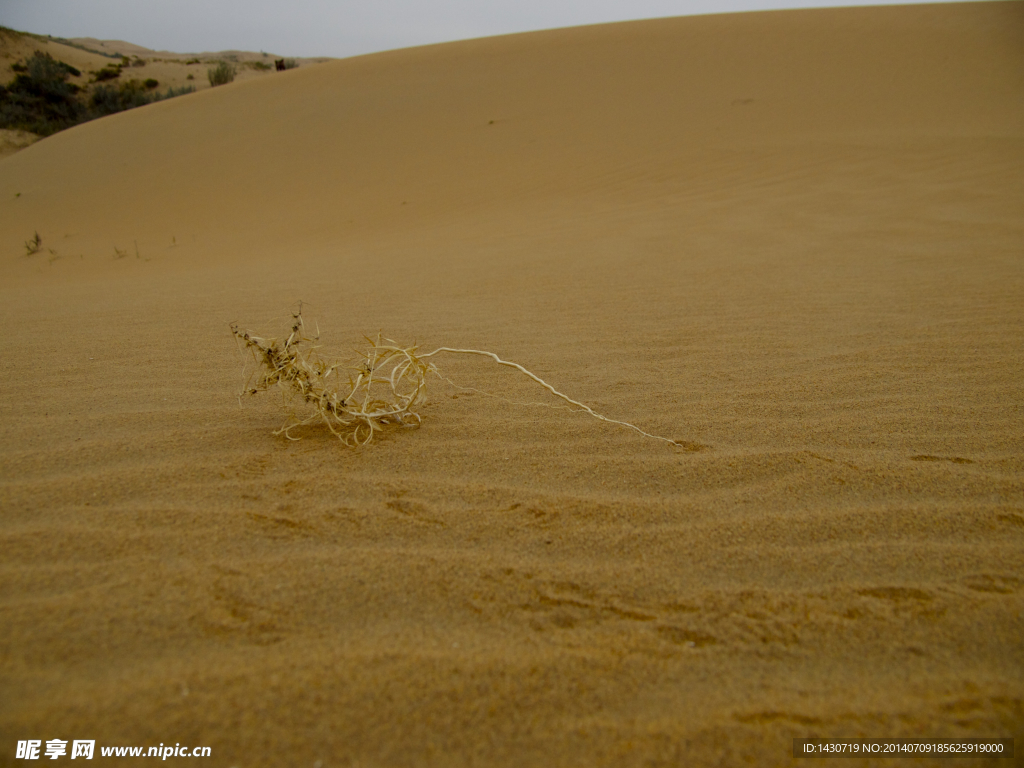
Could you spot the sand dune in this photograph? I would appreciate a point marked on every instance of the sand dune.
(791, 241)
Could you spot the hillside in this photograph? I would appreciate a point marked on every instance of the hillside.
(123, 64)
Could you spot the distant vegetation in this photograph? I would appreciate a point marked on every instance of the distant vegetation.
(42, 101)
(109, 72)
(108, 99)
(222, 74)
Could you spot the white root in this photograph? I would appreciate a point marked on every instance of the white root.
(384, 386)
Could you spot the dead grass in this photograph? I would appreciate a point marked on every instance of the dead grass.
(382, 387)
(33, 246)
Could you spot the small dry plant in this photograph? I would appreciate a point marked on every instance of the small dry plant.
(381, 387)
(33, 246)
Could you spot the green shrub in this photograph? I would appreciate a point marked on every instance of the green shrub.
(172, 92)
(108, 99)
(290, 63)
(109, 72)
(40, 99)
(222, 74)
(42, 66)
(19, 67)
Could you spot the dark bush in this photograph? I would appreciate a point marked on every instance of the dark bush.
(19, 67)
(109, 72)
(40, 99)
(108, 99)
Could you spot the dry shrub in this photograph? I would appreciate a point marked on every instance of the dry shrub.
(358, 398)
(33, 246)
(222, 74)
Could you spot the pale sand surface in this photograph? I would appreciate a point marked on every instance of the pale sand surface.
(793, 240)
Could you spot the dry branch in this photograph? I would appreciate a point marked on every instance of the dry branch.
(383, 385)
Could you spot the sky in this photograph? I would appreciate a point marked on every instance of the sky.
(340, 28)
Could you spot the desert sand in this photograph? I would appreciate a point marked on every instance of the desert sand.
(791, 241)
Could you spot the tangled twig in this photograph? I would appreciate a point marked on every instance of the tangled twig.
(384, 384)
